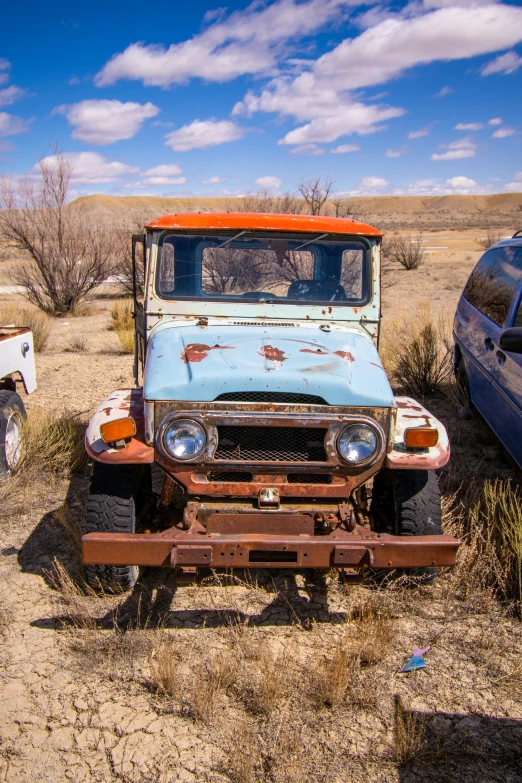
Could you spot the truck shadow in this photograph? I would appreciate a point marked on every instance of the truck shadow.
(443, 747)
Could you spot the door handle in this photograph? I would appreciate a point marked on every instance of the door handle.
(501, 357)
(488, 342)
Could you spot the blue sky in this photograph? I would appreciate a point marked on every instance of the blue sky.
(198, 99)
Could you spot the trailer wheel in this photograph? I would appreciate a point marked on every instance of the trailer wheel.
(12, 416)
(407, 503)
(114, 504)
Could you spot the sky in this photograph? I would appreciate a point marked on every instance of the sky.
(197, 99)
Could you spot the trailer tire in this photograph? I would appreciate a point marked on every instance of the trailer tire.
(113, 506)
(12, 416)
(408, 502)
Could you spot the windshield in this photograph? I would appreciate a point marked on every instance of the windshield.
(259, 268)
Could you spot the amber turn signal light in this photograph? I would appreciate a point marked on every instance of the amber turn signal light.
(421, 437)
(119, 429)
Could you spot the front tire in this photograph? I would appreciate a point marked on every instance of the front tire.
(12, 417)
(407, 503)
(113, 506)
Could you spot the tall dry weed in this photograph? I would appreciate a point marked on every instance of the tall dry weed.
(39, 323)
(330, 676)
(409, 736)
(212, 679)
(53, 443)
(122, 322)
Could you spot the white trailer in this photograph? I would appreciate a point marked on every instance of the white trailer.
(16, 362)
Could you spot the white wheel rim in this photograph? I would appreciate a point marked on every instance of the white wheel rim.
(13, 441)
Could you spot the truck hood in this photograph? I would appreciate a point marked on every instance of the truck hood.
(192, 364)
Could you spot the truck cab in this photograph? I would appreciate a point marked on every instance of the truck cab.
(260, 396)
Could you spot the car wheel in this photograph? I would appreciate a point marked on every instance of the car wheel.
(114, 504)
(12, 416)
(407, 503)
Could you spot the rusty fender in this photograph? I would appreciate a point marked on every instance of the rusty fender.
(175, 547)
(411, 413)
(118, 405)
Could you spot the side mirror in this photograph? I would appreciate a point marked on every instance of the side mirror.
(511, 340)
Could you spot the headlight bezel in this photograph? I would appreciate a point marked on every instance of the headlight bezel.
(377, 431)
(162, 432)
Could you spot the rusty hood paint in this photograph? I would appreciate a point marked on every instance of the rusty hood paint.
(192, 364)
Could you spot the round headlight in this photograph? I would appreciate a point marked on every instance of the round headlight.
(358, 444)
(184, 439)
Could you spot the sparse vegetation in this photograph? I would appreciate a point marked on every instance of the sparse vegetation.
(407, 251)
(76, 345)
(39, 323)
(122, 322)
(491, 237)
(53, 443)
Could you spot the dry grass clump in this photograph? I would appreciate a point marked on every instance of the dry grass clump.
(122, 322)
(272, 680)
(331, 675)
(53, 443)
(39, 323)
(421, 362)
(164, 664)
(409, 735)
(76, 345)
(212, 679)
(244, 754)
(375, 632)
(500, 511)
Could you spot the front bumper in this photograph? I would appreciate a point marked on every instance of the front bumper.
(195, 547)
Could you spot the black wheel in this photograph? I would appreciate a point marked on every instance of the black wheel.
(12, 416)
(115, 501)
(407, 503)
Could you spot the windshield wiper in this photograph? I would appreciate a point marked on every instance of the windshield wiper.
(232, 239)
(315, 239)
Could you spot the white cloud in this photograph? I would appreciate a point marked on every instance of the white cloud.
(212, 181)
(503, 133)
(495, 121)
(469, 126)
(201, 134)
(12, 125)
(307, 149)
(373, 183)
(165, 170)
(461, 184)
(248, 41)
(106, 121)
(504, 63)
(343, 148)
(5, 65)
(419, 133)
(456, 150)
(11, 94)
(516, 185)
(447, 90)
(149, 182)
(91, 168)
(396, 153)
(269, 182)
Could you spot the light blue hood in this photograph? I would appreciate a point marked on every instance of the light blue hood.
(192, 364)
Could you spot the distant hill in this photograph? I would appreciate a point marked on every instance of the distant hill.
(423, 212)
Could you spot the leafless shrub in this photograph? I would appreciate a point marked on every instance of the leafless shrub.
(491, 237)
(352, 208)
(39, 323)
(266, 202)
(76, 345)
(406, 251)
(68, 254)
(316, 193)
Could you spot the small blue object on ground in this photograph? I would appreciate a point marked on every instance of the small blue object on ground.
(416, 661)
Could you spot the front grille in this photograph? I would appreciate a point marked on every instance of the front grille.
(217, 477)
(271, 444)
(267, 396)
(309, 478)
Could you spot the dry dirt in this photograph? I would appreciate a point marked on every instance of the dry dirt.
(289, 679)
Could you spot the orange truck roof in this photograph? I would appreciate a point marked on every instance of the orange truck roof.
(263, 222)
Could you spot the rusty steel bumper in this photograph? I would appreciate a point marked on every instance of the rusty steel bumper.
(176, 548)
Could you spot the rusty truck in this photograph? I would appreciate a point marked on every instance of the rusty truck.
(261, 399)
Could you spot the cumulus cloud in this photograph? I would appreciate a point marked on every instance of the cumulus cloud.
(516, 185)
(461, 184)
(12, 125)
(343, 148)
(396, 153)
(503, 133)
(212, 181)
(11, 94)
(469, 126)
(495, 121)
(456, 150)
(91, 167)
(106, 121)
(373, 183)
(504, 63)
(201, 134)
(248, 41)
(419, 133)
(269, 182)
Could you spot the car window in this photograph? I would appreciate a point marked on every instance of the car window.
(518, 315)
(493, 283)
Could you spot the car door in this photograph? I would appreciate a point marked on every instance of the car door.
(483, 312)
(509, 378)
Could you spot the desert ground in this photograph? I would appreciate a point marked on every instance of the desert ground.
(279, 677)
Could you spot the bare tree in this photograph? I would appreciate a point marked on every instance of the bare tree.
(353, 208)
(316, 193)
(264, 201)
(409, 253)
(66, 254)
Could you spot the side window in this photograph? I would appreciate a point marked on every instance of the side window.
(518, 315)
(493, 283)
(166, 275)
(352, 270)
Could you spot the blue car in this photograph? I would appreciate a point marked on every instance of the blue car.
(488, 341)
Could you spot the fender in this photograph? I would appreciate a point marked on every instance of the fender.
(118, 405)
(411, 413)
